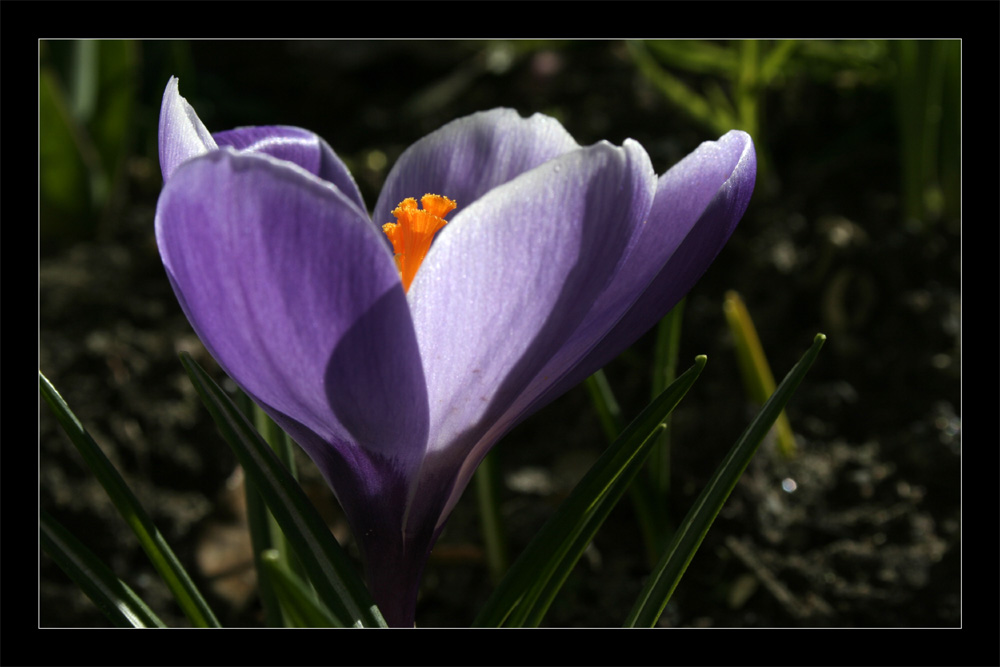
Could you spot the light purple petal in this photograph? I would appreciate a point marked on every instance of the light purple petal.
(304, 148)
(295, 295)
(470, 156)
(182, 134)
(507, 281)
(698, 204)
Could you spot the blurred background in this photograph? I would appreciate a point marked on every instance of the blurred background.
(853, 231)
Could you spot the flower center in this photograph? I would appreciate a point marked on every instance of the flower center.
(413, 231)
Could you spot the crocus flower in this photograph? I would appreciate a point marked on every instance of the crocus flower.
(396, 365)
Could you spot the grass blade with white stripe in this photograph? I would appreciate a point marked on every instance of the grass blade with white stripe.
(524, 595)
(156, 547)
(330, 570)
(668, 572)
(298, 602)
(111, 595)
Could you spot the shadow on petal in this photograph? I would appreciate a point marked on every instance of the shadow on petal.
(375, 384)
(605, 230)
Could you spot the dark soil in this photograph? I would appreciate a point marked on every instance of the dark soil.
(861, 529)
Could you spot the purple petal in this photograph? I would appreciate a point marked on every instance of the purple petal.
(503, 286)
(470, 156)
(294, 294)
(698, 203)
(182, 134)
(557, 258)
(304, 148)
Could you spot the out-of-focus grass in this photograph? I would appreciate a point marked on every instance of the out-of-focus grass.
(724, 85)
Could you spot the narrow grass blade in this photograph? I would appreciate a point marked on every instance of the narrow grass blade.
(668, 340)
(536, 603)
(330, 570)
(297, 600)
(284, 448)
(602, 397)
(692, 531)
(719, 117)
(757, 377)
(695, 56)
(775, 60)
(606, 405)
(162, 556)
(260, 522)
(487, 477)
(262, 540)
(111, 595)
(524, 595)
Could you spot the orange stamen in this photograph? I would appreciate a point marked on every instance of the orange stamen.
(413, 231)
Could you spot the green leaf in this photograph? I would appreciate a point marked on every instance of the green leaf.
(265, 533)
(115, 83)
(692, 531)
(155, 546)
(329, 568)
(664, 371)
(297, 599)
(284, 448)
(524, 595)
(695, 56)
(260, 524)
(488, 485)
(756, 372)
(605, 404)
(86, 110)
(63, 177)
(774, 62)
(111, 595)
(261, 540)
(718, 118)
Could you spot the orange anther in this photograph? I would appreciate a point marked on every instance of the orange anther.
(413, 231)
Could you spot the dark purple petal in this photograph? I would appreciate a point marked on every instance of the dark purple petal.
(470, 156)
(506, 282)
(182, 135)
(302, 147)
(294, 294)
